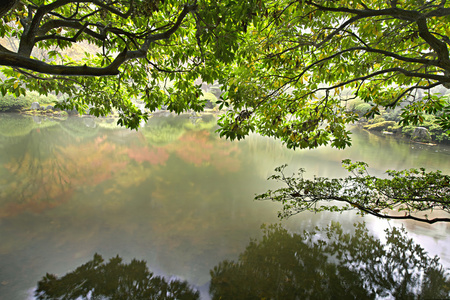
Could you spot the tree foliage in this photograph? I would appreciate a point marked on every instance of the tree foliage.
(330, 263)
(324, 263)
(147, 49)
(286, 67)
(303, 60)
(407, 194)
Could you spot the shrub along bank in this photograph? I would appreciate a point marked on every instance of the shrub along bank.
(388, 122)
(11, 103)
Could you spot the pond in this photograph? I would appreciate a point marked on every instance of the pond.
(176, 196)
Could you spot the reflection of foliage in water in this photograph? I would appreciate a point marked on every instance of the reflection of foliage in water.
(202, 147)
(47, 167)
(161, 131)
(16, 125)
(44, 180)
(396, 152)
(207, 122)
(330, 264)
(154, 156)
(160, 136)
(12, 125)
(385, 152)
(78, 127)
(113, 280)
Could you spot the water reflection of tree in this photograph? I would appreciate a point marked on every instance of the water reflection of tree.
(46, 168)
(12, 125)
(330, 264)
(162, 131)
(202, 147)
(30, 168)
(113, 280)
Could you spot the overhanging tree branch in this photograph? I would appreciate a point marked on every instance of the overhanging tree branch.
(31, 28)
(19, 61)
(53, 24)
(412, 192)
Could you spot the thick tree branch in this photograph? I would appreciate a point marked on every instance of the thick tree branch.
(53, 24)
(27, 40)
(375, 212)
(413, 16)
(18, 61)
(440, 78)
(396, 12)
(21, 61)
(439, 47)
(142, 52)
(165, 35)
(408, 90)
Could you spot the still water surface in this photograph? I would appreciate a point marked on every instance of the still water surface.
(173, 194)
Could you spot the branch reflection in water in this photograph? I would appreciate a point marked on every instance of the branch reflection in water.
(329, 263)
(325, 263)
(113, 280)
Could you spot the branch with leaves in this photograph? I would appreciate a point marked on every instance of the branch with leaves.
(306, 59)
(41, 20)
(122, 50)
(408, 194)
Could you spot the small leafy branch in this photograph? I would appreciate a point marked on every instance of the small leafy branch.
(406, 194)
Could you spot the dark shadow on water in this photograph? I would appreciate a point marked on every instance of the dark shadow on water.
(326, 263)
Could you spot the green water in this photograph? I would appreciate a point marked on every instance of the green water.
(172, 194)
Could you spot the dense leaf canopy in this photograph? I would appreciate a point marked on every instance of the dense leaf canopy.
(286, 67)
(303, 60)
(149, 50)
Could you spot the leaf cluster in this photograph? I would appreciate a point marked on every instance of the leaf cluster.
(406, 194)
(304, 60)
(138, 49)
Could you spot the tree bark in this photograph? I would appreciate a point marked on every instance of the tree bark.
(6, 6)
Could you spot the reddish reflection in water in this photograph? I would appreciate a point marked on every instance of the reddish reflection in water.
(173, 194)
(43, 180)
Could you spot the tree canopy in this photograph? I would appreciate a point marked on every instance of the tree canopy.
(286, 67)
(147, 49)
(303, 60)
